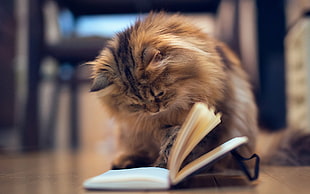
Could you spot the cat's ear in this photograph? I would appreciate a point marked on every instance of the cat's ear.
(152, 57)
(100, 82)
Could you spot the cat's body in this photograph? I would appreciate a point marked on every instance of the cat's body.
(149, 76)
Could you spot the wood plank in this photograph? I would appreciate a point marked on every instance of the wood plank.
(50, 172)
(288, 179)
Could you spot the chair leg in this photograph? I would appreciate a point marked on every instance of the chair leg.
(29, 128)
(49, 136)
(74, 128)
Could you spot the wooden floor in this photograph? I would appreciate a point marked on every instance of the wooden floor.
(59, 173)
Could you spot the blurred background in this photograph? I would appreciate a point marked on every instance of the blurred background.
(44, 98)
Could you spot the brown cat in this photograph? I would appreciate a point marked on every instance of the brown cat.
(149, 76)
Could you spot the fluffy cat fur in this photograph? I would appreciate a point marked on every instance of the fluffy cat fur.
(149, 76)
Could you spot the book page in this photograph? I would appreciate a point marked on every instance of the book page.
(144, 178)
(199, 122)
(209, 157)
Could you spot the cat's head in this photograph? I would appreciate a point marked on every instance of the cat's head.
(157, 64)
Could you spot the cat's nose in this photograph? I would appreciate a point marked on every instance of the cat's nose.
(153, 108)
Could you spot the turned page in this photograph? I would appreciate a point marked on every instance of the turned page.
(199, 122)
(208, 158)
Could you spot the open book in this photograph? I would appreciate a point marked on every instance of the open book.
(199, 122)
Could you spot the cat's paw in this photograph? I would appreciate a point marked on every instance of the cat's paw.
(161, 162)
(131, 161)
(167, 143)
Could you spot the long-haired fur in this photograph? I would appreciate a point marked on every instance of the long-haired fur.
(149, 76)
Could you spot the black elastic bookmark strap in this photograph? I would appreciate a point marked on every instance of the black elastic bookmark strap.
(244, 167)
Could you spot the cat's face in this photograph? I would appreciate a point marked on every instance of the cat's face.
(151, 69)
(141, 77)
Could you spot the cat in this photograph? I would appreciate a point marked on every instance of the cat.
(149, 76)
(289, 147)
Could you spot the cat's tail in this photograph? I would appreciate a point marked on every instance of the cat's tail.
(292, 148)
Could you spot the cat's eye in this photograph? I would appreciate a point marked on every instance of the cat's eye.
(160, 94)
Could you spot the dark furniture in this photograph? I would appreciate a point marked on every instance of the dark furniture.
(75, 51)
(269, 89)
